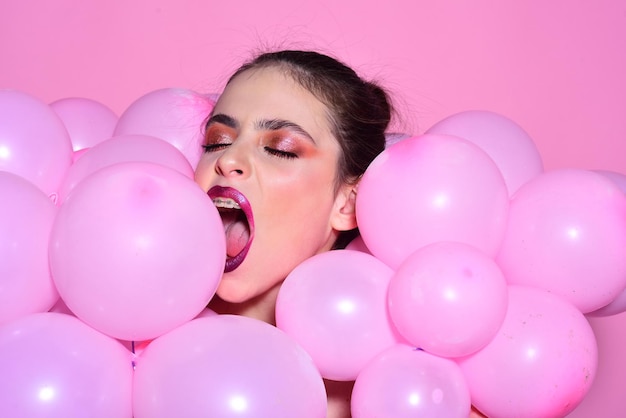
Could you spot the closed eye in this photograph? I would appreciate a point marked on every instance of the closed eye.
(279, 153)
(214, 147)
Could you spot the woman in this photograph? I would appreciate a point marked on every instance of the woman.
(286, 145)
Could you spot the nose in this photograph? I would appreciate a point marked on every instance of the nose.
(233, 162)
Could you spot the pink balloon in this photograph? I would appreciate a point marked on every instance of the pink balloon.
(124, 148)
(227, 366)
(566, 234)
(174, 115)
(26, 217)
(137, 347)
(88, 122)
(407, 382)
(34, 143)
(427, 189)
(53, 365)
(334, 305)
(510, 147)
(617, 305)
(541, 363)
(136, 250)
(619, 179)
(448, 298)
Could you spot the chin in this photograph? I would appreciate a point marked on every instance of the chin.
(232, 291)
(236, 288)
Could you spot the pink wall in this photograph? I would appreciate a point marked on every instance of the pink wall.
(557, 68)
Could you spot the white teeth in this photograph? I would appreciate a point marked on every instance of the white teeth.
(224, 202)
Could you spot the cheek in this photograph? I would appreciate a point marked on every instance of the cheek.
(312, 181)
(301, 204)
(202, 175)
(303, 200)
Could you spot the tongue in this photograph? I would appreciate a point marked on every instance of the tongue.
(237, 236)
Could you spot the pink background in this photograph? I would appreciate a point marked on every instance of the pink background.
(558, 68)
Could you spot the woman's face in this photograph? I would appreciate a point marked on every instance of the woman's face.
(270, 167)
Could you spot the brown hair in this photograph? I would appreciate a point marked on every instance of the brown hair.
(359, 110)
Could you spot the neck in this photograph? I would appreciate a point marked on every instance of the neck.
(261, 307)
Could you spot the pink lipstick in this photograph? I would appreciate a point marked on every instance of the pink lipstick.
(236, 214)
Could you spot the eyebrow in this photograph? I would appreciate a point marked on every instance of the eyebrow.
(264, 124)
(224, 120)
(276, 124)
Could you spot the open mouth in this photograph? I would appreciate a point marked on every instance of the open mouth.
(236, 215)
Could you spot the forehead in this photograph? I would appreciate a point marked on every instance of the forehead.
(270, 93)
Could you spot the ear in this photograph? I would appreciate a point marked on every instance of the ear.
(343, 217)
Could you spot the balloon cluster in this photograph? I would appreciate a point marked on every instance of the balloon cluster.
(469, 284)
